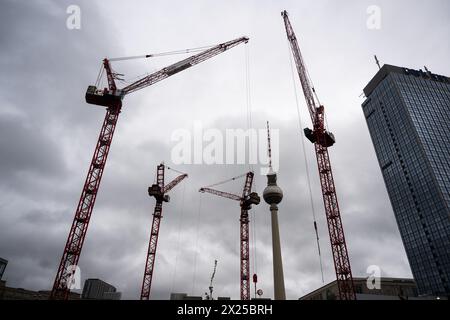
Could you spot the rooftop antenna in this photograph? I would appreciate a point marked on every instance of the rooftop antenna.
(377, 62)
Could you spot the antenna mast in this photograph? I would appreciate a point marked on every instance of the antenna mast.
(269, 148)
(377, 62)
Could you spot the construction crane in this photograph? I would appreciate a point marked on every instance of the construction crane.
(210, 295)
(322, 140)
(159, 191)
(111, 98)
(246, 200)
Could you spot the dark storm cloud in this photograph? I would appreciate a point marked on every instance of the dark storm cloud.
(48, 132)
(23, 150)
(44, 71)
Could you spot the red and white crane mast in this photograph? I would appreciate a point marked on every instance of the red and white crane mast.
(323, 139)
(246, 200)
(159, 192)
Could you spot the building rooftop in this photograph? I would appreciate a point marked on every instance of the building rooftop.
(387, 69)
(330, 290)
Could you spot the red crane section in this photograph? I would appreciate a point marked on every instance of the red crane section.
(222, 194)
(111, 98)
(158, 191)
(247, 199)
(182, 65)
(323, 139)
(77, 234)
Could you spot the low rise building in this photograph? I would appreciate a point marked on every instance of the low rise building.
(388, 289)
(9, 293)
(184, 296)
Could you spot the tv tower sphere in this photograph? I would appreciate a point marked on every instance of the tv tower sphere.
(272, 193)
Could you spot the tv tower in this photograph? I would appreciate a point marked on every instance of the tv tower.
(273, 195)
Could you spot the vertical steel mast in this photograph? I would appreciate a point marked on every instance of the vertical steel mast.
(323, 139)
(77, 234)
(247, 199)
(158, 191)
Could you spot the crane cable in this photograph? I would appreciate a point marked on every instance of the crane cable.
(249, 104)
(161, 54)
(306, 165)
(225, 181)
(317, 98)
(250, 144)
(196, 243)
(152, 55)
(177, 247)
(177, 171)
(100, 74)
(314, 92)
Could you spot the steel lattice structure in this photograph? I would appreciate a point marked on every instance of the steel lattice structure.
(83, 212)
(322, 140)
(111, 98)
(246, 200)
(158, 191)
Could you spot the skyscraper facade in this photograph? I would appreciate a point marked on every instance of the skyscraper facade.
(408, 116)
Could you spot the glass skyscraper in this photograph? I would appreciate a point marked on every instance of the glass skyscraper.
(408, 115)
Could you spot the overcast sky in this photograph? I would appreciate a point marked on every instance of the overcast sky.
(48, 134)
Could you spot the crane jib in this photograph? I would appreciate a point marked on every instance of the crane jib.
(177, 67)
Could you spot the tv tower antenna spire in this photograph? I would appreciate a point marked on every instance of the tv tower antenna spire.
(273, 195)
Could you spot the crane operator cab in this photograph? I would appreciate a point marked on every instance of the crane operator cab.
(155, 191)
(105, 97)
(328, 140)
(252, 198)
